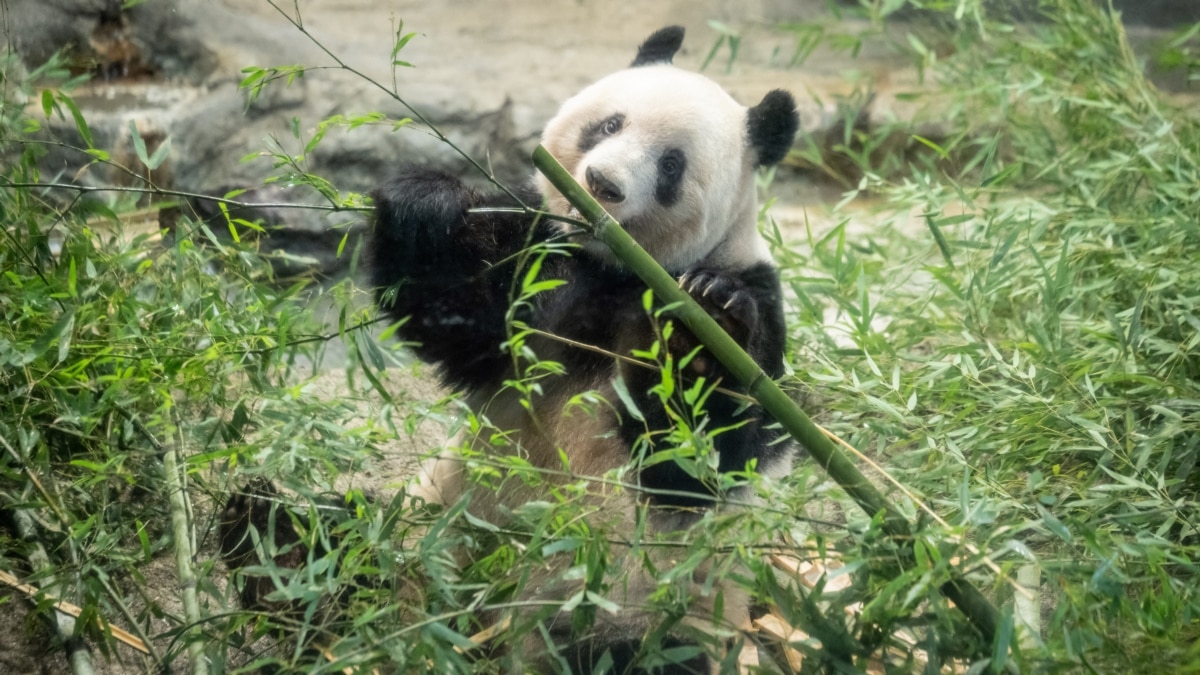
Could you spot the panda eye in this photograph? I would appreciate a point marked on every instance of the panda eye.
(671, 163)
(595, 132)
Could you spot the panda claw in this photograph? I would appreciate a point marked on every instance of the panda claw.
(689, 283)
(725, 298)
(699, 283)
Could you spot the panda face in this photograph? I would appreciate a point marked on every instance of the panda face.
(667, 153)
(670, 166)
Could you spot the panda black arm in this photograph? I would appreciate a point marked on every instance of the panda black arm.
(769, 345)
(447, 270)
(749, 306)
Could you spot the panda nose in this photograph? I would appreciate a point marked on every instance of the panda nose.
(602, 187)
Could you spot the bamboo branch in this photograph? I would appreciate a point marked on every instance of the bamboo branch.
(79, 655)
(74, 611)
(969, 600)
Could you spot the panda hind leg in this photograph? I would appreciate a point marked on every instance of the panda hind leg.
(256, 530)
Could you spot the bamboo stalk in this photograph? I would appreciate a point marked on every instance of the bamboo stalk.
(969, 600)
(181, 532)
(1027, 610)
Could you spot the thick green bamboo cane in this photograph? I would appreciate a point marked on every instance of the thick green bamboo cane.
(969, 600)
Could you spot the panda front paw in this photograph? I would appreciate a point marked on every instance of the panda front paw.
(726, 299)
(418, 217)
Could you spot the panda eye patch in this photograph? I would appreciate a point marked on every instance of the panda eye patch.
(671, 166)
(597, 131)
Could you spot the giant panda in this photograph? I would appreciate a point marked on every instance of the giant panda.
(673, 158)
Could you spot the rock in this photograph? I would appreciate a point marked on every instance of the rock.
(173, 66)
(151, 39)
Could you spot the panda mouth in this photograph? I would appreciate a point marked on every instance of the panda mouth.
(574, 214)
(572, 223)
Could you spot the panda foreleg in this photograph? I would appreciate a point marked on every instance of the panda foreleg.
(442, 267)
(747, 305)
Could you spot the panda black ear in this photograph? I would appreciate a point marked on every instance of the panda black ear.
(660, 47)
(772, 125)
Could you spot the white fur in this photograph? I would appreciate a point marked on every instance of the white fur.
(714, 222)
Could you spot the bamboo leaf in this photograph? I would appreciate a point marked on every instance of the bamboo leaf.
(81, 124)
(62, 326)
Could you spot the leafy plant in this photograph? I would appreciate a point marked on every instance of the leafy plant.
(1021, 357)
(132, 370)
(1029, 364)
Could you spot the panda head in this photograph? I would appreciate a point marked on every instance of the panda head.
(671, 156)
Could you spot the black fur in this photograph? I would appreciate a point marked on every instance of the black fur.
(660, 47)
(672, 166)
(772, 125)
(254, 508)
(430, 260)
(260, 511)
(748, 305)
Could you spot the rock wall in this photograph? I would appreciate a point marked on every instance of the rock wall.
(487, 73)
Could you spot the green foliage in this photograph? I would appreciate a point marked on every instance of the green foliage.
(1022, 357)
(1025, 353)
(115, 349)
